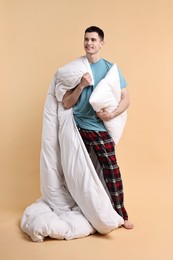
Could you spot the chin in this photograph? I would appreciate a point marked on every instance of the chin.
(89, 52)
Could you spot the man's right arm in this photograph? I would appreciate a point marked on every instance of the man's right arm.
(71, 97)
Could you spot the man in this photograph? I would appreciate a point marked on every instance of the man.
(90, 123)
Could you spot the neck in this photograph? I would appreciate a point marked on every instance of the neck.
(93, 58)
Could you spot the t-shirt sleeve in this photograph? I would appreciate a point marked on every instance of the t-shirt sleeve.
(123, 82)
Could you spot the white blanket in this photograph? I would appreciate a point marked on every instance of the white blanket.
(74, 202)
(107, 94)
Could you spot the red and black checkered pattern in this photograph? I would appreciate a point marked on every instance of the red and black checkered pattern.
(103, 146)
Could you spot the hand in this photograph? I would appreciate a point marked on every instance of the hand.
(105, 115)
(86, 80)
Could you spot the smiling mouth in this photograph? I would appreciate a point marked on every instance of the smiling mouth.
(88, 48)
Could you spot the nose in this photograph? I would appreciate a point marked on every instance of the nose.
(89, 42)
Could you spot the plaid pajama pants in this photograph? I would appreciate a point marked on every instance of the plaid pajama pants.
(103, 146)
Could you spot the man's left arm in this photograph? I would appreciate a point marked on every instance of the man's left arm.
(124, 103)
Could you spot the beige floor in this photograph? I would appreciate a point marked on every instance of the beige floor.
(150, 205)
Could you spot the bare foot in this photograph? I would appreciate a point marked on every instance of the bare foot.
(128, 225)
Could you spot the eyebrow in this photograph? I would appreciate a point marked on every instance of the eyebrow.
(93, 39)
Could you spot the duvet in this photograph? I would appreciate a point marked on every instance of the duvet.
(74, 202)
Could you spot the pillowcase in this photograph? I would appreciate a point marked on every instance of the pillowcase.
(107, 94)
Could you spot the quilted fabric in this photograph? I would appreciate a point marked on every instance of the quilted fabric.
(74, 202)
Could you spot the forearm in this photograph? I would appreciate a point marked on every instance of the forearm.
(105, 115)
(122, 106)
(72, 96)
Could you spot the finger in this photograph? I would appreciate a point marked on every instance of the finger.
(101, 111)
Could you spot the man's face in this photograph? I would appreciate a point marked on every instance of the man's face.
(92, 43)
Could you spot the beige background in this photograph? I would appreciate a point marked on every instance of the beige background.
(37, 37)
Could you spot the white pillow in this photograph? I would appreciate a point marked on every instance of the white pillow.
(107, 94)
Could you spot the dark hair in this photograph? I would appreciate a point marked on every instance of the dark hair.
(97, 30)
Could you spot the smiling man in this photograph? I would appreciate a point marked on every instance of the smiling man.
(90, 124)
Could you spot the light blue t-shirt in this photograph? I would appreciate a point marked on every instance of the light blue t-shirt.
(84, 115)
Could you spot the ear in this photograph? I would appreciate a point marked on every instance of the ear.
(101, 44)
